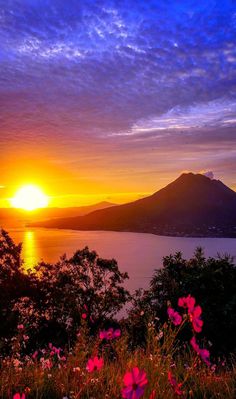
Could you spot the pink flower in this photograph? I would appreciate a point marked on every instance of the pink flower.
(187, 302)
(193, 311)
(135, 381)
(174, 316)
(84, 316)
(94, 363)
(175, 385)
(20, 327)
(203, 353)
(110, 334)
(46, 363)
(35, 354)
(18, 396)
(195, 319)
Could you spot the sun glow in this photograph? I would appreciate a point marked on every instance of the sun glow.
(29, 198)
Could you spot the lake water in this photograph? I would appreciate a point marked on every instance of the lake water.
(138, 254)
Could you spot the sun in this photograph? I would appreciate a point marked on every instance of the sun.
(29, 197)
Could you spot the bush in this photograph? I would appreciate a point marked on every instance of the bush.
(54, 298)
(211, 281)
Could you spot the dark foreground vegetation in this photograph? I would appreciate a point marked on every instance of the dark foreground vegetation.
(60, 337)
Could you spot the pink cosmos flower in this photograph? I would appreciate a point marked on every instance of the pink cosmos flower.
(35, 354)
(187, 302)
(20, 327)
(203, 353)
(110, 334)
(95, 363)
(175, 385)
(195, 317)
(18, 396)
(174, 316)
(135, 381)
(193, 311)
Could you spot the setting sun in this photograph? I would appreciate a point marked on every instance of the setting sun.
(29, 198)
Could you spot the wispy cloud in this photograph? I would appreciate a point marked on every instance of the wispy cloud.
(109, 77)
(218, 113)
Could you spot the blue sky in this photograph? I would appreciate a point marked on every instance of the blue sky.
(136, 91)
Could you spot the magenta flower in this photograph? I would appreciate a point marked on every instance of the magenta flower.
(20, 327)
(203, 353)
(18, 396)
(187, 302)
(84, 316)
(175, 385)
(195, 317)
(174, 316)
(35, 354)
(110, 334)
(193, 311)
(94, 363)
(135, 381)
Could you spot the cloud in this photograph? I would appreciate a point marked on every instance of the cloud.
(209, 174)
(110, 77)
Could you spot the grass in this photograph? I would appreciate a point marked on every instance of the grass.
(71, 379)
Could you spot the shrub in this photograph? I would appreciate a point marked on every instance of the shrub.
(211, 280)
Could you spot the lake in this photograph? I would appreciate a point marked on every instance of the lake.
(138, 254)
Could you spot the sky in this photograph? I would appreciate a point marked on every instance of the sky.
(112, 100)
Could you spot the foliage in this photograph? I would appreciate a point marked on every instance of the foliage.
(168, 374)
(156, 352)
(212, 280)
(54, 297)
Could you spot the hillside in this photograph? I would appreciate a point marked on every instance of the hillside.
(192, 205)
(11, 217)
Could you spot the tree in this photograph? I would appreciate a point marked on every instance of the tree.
(211, 281)
(83, 286)
(13, 282)
(53, 299)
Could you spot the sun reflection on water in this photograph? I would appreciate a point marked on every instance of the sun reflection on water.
(29, 250)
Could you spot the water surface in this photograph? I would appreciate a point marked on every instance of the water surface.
(138, 254)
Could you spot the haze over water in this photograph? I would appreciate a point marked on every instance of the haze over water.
(138, 254)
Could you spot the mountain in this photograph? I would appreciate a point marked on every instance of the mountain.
(11, 217)
(192, 205)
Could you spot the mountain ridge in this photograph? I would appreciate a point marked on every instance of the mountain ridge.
(191, 205)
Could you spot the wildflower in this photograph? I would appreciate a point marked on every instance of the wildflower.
(84, 316)
(16, 363)
(94, 363)
(174, 316)
(195, 319)
(110, 334)
(19, 396)
(35, 354)
(187, 302)
(203, 353)
(175, 385)
(46, 363)
(135, 382)
(193, 311)
(20, 327)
